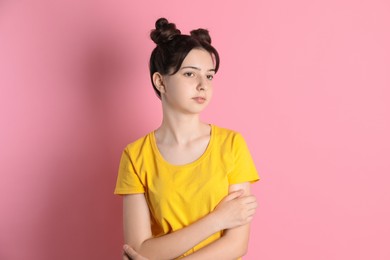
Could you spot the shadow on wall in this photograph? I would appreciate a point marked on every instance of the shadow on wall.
(82, 216)
(70, 107)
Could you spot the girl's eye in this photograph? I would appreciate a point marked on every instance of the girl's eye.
(189, 74)
(210, 77)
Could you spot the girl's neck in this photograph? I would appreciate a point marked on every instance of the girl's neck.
(174, 130)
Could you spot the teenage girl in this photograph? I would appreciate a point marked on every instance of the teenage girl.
(186, 185)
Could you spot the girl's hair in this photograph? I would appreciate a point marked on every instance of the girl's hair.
(172, 48)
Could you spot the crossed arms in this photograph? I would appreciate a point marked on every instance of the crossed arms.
(233, 214)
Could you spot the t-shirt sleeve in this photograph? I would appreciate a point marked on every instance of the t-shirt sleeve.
(243, 167)
(128, 181)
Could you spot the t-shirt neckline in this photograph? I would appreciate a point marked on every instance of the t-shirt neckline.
(190, 164)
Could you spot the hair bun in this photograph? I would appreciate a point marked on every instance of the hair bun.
(164, 31)
(201, 35)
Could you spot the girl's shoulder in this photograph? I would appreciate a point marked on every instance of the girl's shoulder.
(140, 144)
(226, 138)
(224, 132)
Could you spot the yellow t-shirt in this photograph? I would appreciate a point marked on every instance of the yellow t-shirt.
(178, 195)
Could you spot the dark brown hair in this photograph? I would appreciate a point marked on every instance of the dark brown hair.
(173, 47)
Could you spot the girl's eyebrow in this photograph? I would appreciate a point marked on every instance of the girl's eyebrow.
(193, 67)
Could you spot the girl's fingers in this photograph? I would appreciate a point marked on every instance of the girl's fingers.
(233, 195)
(129, 251)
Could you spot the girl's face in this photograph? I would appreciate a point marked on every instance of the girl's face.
(189, 90)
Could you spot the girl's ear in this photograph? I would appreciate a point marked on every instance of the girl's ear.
(158, 82)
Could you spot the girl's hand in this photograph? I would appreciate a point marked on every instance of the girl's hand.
(235, 210)
(130, 254)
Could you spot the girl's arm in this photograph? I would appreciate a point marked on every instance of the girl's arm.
(233, 244)
(233, 211)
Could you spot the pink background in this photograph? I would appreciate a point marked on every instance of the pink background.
(306, 82)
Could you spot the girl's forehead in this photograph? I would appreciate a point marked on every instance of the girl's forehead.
(198, 57)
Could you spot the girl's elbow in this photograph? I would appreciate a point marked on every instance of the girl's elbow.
(242, 250)
(238, 248)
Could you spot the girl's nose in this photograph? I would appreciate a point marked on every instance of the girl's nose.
(202, 85)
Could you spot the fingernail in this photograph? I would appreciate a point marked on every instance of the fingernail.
(125, 247)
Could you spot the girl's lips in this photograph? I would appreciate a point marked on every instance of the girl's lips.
(199, 100)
